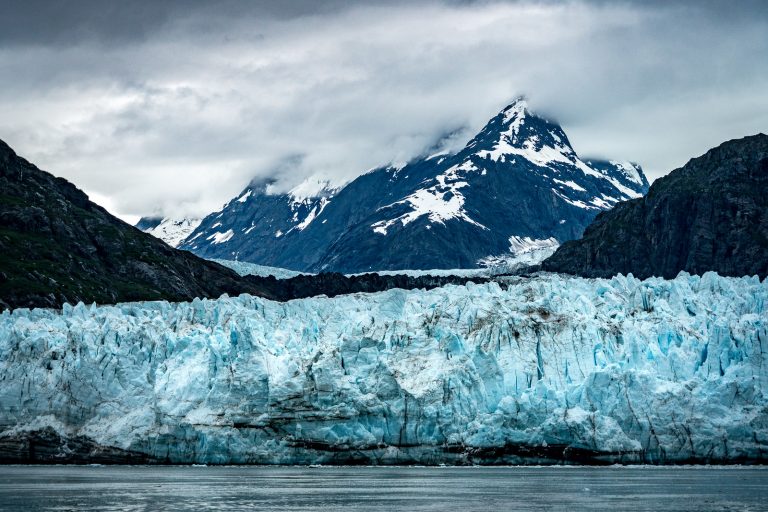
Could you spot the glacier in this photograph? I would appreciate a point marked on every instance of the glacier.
(545, 369)
(252, 269)
(523, 252)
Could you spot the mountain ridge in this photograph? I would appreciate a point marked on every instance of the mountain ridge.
(518, 177)
(709, 215)
(58, 247)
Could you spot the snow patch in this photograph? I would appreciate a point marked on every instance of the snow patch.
(175, 231)
(575, 202)
(251, 269)
(439, 203)
(629, 169)
(313, 214)
(244, 197)
(571, 184)
(220, 238)
(523, 244)
(310, 188)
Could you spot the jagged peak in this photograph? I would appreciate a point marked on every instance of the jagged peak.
(633, 171)
(515, 111)
(173, 230)
(517, 126)
(517, 131)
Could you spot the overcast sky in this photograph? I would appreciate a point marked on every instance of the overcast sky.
(172, 108)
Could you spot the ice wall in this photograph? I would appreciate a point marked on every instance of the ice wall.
(546, 369)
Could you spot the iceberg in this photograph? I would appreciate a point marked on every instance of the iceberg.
(547, 369)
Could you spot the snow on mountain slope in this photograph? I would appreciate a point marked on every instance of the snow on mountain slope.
(542, 370)
(440, 202)
(170, 231)
(260, 220)
(540, 148)
(518, 177)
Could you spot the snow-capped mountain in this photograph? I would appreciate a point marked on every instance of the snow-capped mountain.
(170, 231)
(518, 180)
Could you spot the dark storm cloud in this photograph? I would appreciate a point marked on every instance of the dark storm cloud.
(118, 22)
(174, 106)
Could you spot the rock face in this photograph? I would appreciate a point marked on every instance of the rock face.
(58, 247)
(542, 370)
(711, 214)
(518, 180)
(47, 446)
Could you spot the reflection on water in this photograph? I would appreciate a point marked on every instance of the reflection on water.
(135, 488)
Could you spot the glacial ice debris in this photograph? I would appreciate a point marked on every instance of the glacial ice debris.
(548, 369)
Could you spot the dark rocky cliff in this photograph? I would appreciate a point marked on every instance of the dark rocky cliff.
(57, 246)
(711, 214)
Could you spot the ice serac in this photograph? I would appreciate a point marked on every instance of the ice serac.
(542, 370)
(519, 177)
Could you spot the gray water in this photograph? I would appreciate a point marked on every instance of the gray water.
(135, 488)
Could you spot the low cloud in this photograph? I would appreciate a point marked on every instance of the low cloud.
(176, 112)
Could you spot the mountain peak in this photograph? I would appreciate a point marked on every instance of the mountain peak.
(518, 132)
(516, 110)
(514, 117)
(517, 179)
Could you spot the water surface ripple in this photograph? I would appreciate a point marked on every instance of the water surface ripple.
(487, 489)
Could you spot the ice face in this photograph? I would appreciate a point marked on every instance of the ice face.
(543, 369)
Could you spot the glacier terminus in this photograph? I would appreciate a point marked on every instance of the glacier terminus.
(546, 369)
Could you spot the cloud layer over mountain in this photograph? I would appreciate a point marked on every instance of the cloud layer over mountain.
(172, 107)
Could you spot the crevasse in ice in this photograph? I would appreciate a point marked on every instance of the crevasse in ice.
(544, 369)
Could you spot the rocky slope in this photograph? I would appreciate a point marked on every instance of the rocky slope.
(56, 246)
(518, 179)
(542, 370)
(711, 214)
